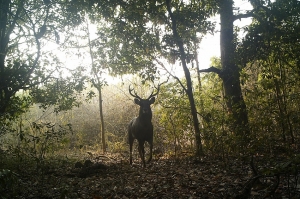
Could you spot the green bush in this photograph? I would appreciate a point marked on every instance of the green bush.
(8, 183)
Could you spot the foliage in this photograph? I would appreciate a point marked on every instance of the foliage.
(29, 30)
(277, 36)
(132, 37)
(39, 140)
(8, 181)
(214, 118)
(139, 37)
(20, 104)
(174, 118)
(62, 93)
(270, 78)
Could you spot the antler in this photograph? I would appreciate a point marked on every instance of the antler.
(135, 94)
(157, 89)
(152, 95)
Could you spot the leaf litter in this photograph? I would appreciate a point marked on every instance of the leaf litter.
(163, 178)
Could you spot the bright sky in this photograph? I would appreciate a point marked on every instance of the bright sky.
(209, 47)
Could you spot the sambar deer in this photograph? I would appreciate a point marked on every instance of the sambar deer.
(141, 128)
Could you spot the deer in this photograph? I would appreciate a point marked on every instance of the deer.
(141, 128)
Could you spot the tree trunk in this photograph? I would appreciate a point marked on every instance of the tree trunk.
(189, 89)
(230, 73)
(102, 119)
(98, 84)
(4, 97)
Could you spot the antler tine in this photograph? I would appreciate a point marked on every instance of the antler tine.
(157, 89)
(135, 94)
(152, 95)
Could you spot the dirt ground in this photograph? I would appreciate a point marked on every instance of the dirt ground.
(112, 177)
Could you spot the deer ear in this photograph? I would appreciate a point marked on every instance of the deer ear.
(152, 100)
(137, 101)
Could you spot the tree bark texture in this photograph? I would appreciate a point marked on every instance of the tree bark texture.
(102, 119)
(231, 73)
(189, 89)
(4, 38)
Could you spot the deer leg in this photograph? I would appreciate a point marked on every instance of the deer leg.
(142, 152)
(130, 147)
(151, 147)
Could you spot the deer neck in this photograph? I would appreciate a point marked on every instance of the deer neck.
(145, 117)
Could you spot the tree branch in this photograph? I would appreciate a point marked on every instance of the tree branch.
(175, 77)
(241, 16)
(13, 24)
(211, 69)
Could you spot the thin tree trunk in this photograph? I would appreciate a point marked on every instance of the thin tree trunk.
(98, 84)
(280, 107)
(285, 103)
(189, 89)
(201, 106)
(198, 74)
(102, 120)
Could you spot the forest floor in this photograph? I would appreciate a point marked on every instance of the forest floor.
(107, 176)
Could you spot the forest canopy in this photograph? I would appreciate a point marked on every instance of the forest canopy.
(68, 71)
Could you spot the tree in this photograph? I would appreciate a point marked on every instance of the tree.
(153, 31)
(15, 73)
(273, 44)
(188, 89)
(98, 81)
(26, 30)
(175, 117)
(230, 72)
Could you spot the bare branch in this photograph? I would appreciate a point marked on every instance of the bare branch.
(211, 69)
(241, 16)
(13, 24)
(175, 77)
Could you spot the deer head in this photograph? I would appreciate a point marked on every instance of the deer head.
(143, 103)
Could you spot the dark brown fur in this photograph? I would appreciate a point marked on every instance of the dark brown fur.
(141, 127)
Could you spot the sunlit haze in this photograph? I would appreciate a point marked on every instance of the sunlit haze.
(209, 47)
